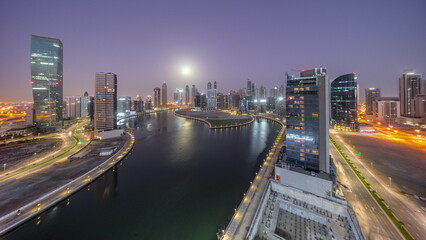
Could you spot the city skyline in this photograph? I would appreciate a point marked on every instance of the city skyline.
(192, 27)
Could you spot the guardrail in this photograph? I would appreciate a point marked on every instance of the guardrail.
(30, 210)
(241, 210)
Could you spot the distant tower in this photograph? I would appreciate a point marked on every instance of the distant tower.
(157, 97)
(410, 85)
(211, 96)
(47, 81)
(85, 105)
(164, 95)
(307, 131)
(249, 92)
(370, 95)
(194, 92)
(105, 101)
(187, 94)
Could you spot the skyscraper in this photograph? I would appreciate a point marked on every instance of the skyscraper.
(85, 105)
(157, 97)
(178, 97)
(262, 92)
(194, 92)
(187, 94)
(249, 92)
(47, 81)
(370, 95)
(307, 134)
(274, 92)
(410, 85)
(344, 92)
(164, 95)
(211, 96)
(105, 101)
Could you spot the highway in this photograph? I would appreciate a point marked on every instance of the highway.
(374, 222)
(73, 142)
(403, 206)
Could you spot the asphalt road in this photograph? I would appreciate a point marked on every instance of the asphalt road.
(405, 207)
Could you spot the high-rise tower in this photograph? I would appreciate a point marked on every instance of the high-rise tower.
(410, 85)
(307, 135)
(187, 94)
(105, 101)
(164, 95)
(370, 95)
(157, 97)
(47, 80)
(344, 93)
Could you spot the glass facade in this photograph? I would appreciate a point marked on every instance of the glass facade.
(370, 95)
(306, 132)
(344, 100)
(46, 80)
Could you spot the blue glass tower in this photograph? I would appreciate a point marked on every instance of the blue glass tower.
(46, 80)
(344, 100)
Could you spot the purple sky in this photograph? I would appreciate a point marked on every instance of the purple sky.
(146, 42)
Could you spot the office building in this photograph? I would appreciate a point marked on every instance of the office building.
(410, 85)
(194, 93)
(84, 105)
(420, 106)
(72, 107)
(248, 89)
(370, 94)
(281, 91)
(124, 106)
(164, 95)
(274, 92)
(105, 101)
(157, 97)
(344, 92)
(47, 81)
(187, 95)
(178, 97)
(211, 96)
(262, 92)
(138, 104)
(148, 103)
(307, 107)
(386, 109)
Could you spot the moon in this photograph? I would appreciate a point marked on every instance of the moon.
(186, 71)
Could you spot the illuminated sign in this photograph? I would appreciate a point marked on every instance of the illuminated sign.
(298, 137)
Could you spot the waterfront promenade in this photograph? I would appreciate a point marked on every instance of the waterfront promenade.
(244, 214)
(216, 120)
(66, 188)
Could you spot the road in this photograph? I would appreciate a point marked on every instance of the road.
(73, 142)
(46, 200)
(403, 206)
(374, 222)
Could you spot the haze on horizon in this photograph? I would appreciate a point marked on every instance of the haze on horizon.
(148, 43)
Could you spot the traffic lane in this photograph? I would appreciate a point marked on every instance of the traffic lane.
(364, 204)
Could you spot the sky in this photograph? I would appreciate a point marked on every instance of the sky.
(147, 42)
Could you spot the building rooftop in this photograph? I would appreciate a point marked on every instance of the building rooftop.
(289, 213)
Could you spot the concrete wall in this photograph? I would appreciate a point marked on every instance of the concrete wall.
(312, 184)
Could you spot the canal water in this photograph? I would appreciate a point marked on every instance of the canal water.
(181, 181)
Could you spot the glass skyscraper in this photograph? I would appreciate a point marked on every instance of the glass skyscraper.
(307, 137)
(46, 80)
(344, 92)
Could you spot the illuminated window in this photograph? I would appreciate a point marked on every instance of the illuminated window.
(302, 97)
(314, 151)
(302, 154)
(302, 159)
(302, 106)
(308, 88)
(314, 114)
